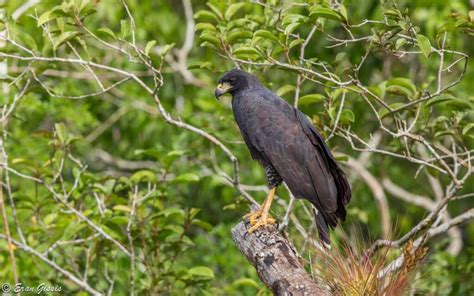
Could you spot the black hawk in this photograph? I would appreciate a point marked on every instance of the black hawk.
(291, 150)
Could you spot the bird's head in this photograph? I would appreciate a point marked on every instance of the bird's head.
(236, 80)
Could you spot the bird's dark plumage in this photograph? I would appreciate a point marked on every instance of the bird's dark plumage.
(289, 147)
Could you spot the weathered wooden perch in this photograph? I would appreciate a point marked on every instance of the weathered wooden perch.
(276, 261)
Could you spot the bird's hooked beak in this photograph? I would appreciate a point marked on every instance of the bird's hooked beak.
(222, 88)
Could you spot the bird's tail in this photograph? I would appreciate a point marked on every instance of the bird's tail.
(323, 229)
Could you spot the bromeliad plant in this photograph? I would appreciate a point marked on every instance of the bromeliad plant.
(348, 269)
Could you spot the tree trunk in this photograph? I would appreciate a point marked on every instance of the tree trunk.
(276, 261)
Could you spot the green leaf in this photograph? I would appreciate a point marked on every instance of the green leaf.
(324, 12)
(106, 188)
(233, 9)
(206, 15)
(87, 10)
(460, 104)
(193, 213)
(444, 133)
(108, 32)
(347, 116)
(149, 46)
(216, 10)
(172, 211)
(143, 176)
(165, 49)
(186, 178)
(400, 43)
(471, 16)
(339, 57)
(245, 50)
(441, 99)
(83, 4)
(125, 29)
(394, 14)
(311, 99)
(343, 12)
(205, 26)
(401, 86)
(122, 208)
(72, 229)
(291, 28)
(467, 128)
(463, 22)
(63, 38)
(202, 224)
(424, 44)
(201, 271)
(120, 220)
(46, 17)
(238, 34)
(379, 90)
(50, 218)
(332, 113)
(206, 65)
(28, 40)
(61, 132)
(403, 25)
(231, 206)
(295, 43)
(285, 89)
(149, 152)
(293, 18)
(265, 34)
(172, 156)
(238, 23)
(19, 160)
(246, 282)
(342, 158)
(211, 39)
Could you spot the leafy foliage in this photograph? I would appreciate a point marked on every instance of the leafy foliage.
(96, 182)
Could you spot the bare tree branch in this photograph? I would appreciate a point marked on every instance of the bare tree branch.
(58, 268)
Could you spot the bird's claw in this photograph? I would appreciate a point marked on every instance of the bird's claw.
(260, 222)
(253, 216)
(258, 219)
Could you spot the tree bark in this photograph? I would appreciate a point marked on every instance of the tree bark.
(276, 261)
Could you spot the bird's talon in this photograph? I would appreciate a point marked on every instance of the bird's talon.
(260, 223)
(253, 221)
(253, 216)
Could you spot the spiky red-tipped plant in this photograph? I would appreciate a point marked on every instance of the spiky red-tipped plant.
(349, 270)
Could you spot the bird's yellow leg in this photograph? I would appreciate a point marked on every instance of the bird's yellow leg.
(260, 218)
(253, 216)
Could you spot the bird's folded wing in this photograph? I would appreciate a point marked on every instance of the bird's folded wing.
(302, 164)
